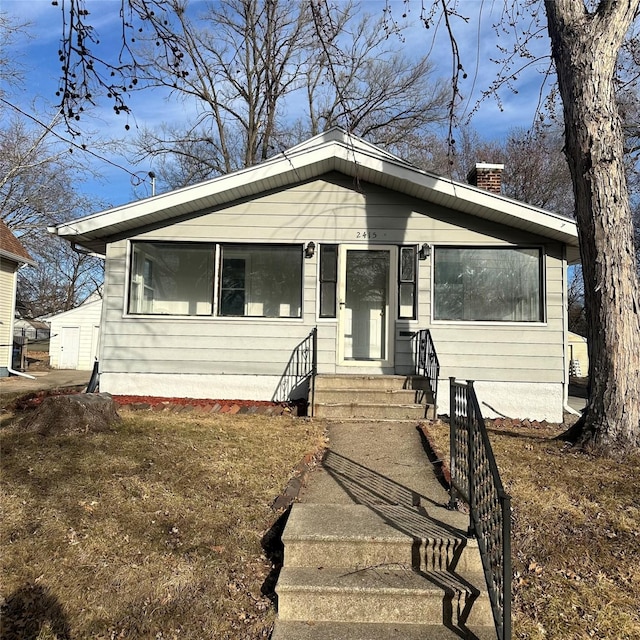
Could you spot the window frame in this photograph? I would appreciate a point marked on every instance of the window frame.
(247, 255)
(216, 248)
(140, 286)
(542, 275)
(322, 281)
(413, 281)
(153, 260)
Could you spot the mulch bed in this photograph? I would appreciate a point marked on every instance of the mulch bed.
(200, 405)
(174, 405)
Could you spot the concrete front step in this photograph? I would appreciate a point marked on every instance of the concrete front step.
(328, 535)
(359, 381)
(381, 411)
(384, 594)
(348, 395)
(374, 397)
(296, 630)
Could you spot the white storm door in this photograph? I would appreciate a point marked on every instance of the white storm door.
(366, 303)
(69, 347)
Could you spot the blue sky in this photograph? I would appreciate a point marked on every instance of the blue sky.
(113, 186)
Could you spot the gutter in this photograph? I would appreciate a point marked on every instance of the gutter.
(85, 252)
(75, 246)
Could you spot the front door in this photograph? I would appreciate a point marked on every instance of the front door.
(366, 304)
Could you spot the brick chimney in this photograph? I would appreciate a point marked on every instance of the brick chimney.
(486, 176)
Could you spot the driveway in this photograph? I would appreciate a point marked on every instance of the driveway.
(576, 403)
(50, 379)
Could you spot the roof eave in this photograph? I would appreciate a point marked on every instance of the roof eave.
(308, 161)
(14, 257)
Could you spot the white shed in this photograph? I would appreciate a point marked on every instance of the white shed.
(74, 337)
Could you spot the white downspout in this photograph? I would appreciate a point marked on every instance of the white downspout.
(20, 373)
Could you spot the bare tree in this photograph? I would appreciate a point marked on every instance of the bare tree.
(62, 279)
(10, 69)
(575, 303)
(239, 62)
(587, 40)
(250, 63)
(585, 46)
(359, 80)
(35, 179)
(37, 189)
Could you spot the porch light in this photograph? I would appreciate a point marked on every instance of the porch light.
(309, 250)
(425, 251)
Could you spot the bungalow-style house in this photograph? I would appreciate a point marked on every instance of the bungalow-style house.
(13, 256)
(209, 289)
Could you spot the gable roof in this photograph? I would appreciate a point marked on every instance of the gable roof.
(334, 150)
(11, 248)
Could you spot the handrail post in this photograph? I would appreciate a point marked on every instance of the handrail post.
(471, 471)
(453, 498)
(314, 367)
(506, 567)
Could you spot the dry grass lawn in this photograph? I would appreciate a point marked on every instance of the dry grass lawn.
(152, 530)
(576, 536)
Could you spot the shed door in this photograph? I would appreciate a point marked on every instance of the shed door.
(69, 347)
(364, 317)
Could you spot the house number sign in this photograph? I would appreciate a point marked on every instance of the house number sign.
(366, 235)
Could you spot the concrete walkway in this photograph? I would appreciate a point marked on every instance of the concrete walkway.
(375, 462)
(372, 553)
(577, 403)
(43, 380)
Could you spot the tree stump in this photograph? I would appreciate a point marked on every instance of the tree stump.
(80, 413)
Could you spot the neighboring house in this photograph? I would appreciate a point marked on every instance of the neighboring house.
(578, 355)
(208, 289)
(31, 330)
(13, 256)
(75, 335)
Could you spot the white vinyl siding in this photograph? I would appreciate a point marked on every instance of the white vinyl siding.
(86, 318)
(7, 306)
(332, 211)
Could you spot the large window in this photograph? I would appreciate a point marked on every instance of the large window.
(261, 280)
(171, 278)
(488, 283)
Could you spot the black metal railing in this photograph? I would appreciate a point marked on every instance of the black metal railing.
(475, 479)
(301, 369)
(426, 359)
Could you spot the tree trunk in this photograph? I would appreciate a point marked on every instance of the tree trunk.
(584, 49)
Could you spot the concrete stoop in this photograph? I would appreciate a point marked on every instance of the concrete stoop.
(358, 572)
(373, 397)
(288, 630)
